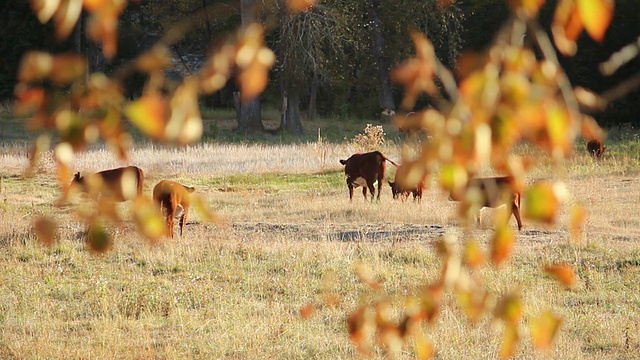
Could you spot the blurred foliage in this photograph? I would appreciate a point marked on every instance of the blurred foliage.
(513, 90)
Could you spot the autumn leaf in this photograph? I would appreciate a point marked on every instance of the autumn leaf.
(306, 310)
(563, 273)
(154, 59)
(300, 5)
(35, 66)
(577, 218)
(46, 230)
(98, 239)
(510, 340)
(66, 16)
(473, 256)
(44, 9)
(254, 61)
(148, 113)
(596, 16)
(502, 244)
(510, 309)
(366, 276)
(149, 219)
(543, 200)
(544, 329)
(68, 68)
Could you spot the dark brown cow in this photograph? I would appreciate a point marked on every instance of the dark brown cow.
(364, 170)
(493, 192)
(120, 184)
(171, 195)
(399, 192)
(596, 148)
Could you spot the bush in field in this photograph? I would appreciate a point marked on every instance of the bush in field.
(371, 139)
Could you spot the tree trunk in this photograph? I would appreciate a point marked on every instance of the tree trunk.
(249, 118)
(293, 122)
(385, 96)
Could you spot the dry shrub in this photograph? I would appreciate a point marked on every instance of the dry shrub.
(371, 139)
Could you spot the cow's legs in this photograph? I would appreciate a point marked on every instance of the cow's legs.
(515, 210)
(372, 189)
(350, 190)
(364, 192)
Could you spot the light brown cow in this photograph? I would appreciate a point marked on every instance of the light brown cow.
(491, 192)
(171, 196)
(120, 184)
(365, 169)
(596, 148)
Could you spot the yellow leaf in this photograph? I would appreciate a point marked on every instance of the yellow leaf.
(473, 254)
(543, 200)
(502, 244)
(149, 219)
(510, 309)
(98, 239)
(563, 273)
(578, 216)
(148, 113)
(510, 340)
(366, 276)
(544, 329)
(35, 66)
(596, 16)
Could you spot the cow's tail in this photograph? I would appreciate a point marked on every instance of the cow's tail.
(387, 159)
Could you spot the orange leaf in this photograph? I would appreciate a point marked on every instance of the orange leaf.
(473, 254)
(306, 310)
(367, 276)
(28, 100)
(148, 219)
(148, 113)
(510, 340)
(67, 68)
(544, 329)
(576, 221)
(502, 244)
(596, 16)
(563, 273)
(300, 5)
(155, 59)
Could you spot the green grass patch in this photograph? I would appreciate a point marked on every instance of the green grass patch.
(276, 181)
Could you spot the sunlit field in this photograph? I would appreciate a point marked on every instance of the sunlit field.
(288, 238)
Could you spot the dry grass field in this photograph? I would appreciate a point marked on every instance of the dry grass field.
(289, 237)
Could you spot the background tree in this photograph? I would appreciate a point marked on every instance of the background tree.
(308, 42)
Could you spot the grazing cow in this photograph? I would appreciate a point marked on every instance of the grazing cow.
(171, 195)
(365, 170)
(120, 184)
(493, 192)
(399, 192)
(596, 148)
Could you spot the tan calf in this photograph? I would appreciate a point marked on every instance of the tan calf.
(171, 196)
(120, 184)
(491, 192)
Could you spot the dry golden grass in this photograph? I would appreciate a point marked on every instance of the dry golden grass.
(289, 238)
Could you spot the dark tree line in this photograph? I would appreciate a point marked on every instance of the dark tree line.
(333, 60)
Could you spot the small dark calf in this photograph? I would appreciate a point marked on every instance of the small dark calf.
(596, 148)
